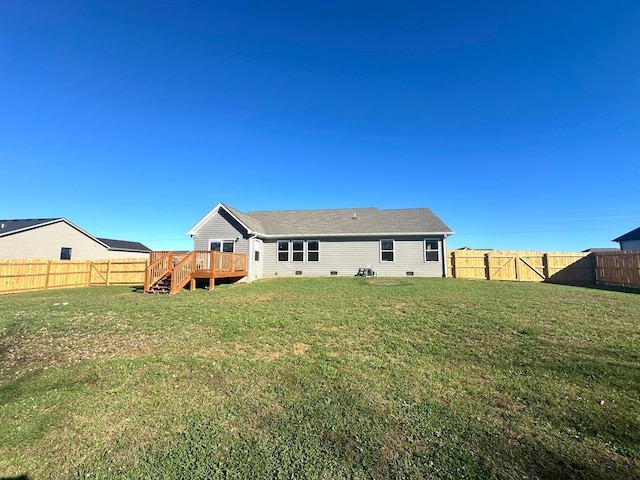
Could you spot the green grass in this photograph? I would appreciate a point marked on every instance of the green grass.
(322, 378)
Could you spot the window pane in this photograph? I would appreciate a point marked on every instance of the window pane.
(432, 250)
(298, 245)
(283, 256)
(65, 253)
(313, 256)
(283, 246)
(386, 244)
(387, 256)
(298, 256)
(227, 246)
(313, 245)
(216, 246)
(257, 256)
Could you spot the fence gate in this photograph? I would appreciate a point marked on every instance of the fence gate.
(515, 266)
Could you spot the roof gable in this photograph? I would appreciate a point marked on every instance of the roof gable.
(250, 224)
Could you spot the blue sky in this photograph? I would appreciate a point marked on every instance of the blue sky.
(517, 123)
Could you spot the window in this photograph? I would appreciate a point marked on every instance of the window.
(386, 250)
(313, 251)
(431, 250)
(283, 251)
(222, 245)
(65, 253)
(257, 255)
(299, 250)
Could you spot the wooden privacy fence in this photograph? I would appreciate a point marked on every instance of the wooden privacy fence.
(620, 269)
(27, 275)
(575, 268)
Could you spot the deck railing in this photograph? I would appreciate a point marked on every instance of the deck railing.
(198, 263)
(161, 264)
(182, 272)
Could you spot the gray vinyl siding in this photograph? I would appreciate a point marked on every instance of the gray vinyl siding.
(347, 255)
(222, 226)
(630, 245)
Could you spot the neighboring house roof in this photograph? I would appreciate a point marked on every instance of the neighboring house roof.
(334, 222)
(600, 250)
(632, 235)
(13, 226)
(9, 227)
(124, 245)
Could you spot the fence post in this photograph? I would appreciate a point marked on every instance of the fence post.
(453, 264)
(545, 266)
(487, 262)
(108, 271)
(46, 278)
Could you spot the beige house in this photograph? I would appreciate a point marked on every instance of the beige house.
(59, 239)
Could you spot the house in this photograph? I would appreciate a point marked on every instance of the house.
(328, 242)
(630, 240)
(59, 239)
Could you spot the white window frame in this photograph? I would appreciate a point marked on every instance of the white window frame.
(306, 244)
(425, 250)
(291, 252)
(278, 251)
(300, 252)
(222, 242)
(392, 250)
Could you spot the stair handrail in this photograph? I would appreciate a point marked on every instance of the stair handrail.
(182, 271)
(159, 268)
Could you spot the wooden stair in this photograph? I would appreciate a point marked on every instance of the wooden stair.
(161, 286)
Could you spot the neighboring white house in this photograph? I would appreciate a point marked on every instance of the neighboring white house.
(59, 239)
(328, 242)
(630, 240)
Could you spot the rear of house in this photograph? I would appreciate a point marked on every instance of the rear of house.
(328, 242)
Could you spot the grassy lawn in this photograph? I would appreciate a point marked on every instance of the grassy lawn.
(322, 378)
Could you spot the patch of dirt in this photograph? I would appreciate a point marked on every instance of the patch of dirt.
(398, 308)
(301, 349)
(28, 353)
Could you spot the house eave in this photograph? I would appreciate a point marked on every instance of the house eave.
(353, 235)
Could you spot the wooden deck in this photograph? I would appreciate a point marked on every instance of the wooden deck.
(169, 272)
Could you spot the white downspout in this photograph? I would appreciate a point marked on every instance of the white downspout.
(251, 256)
(445, 267)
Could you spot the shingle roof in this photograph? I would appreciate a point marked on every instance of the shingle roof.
(632, 235)
(125, 245)
(253, 223)
(347, 221)
(7, 226)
